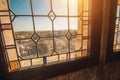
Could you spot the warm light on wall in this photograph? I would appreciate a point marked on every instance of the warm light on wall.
(118, 1)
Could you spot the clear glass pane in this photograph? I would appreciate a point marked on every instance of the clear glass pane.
(75, 43)
(43, 26)
(20, 7)
(41, 7)
(75, 26)
(12, 54)
(3, 5)
(73, 7)
(60, 26)
(23, 27)
(61, 45)
(45, 46)
(60, 7)
(26, 49)
(8, 37)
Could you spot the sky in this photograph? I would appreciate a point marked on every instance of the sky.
(43, 7)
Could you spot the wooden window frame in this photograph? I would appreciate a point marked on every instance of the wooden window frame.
(70, 66)
(110, 54)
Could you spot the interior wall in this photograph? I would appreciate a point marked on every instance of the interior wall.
(111, 72)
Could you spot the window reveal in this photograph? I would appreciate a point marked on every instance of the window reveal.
(116, 46)
(41, 32)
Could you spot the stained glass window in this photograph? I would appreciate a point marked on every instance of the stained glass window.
(41, 32)
(116, 46)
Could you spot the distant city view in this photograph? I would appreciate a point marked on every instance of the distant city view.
(46, 45)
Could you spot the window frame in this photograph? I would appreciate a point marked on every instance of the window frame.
(110, 54)
(70, 66)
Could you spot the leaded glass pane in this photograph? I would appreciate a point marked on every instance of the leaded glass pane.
(12, 54)
(84, 42)
(40, 32)
(5, 19)
(75, 25)
(26, 49)
(73, 10)
(75, 55)
(45, 46)
(41, 9)
(8, 36)
(25, 63)
(84, 53)
(4, 13)
(20, 7)
(60, 26)
(51, 59)
(23, 27)
(43, 26)
(3, 5)
(60, 7)
(75, 43)
(14, 65)
(63, 57)
(38, 61)
(61, 45)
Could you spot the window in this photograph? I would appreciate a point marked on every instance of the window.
(113, 46)
(117, 29)
(49, 35)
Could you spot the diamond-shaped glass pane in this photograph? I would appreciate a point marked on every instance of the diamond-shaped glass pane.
(68, 35)
(52, 15)
(35, 37)
(54, 53)
(12, 15)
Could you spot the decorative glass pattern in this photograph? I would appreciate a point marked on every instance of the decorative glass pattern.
(40, 32)
(116, 46)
